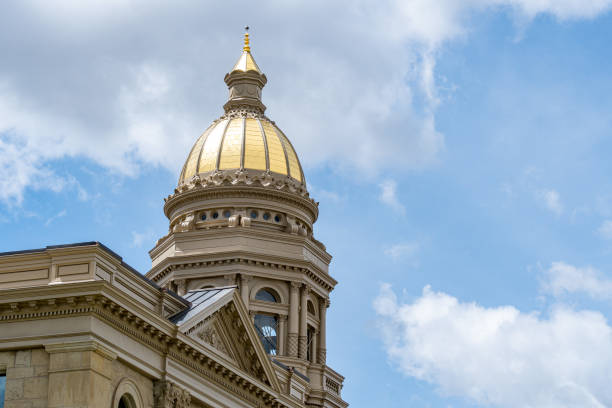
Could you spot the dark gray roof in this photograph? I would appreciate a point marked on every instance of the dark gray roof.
(200, 300)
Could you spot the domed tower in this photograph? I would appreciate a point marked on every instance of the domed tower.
(242, 215)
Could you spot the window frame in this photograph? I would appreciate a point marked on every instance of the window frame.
(262, 336)
(3, 381)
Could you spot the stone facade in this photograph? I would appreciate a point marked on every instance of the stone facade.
(81, 328)
(27, 379)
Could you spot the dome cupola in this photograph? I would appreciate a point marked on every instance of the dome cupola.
(244, 139)
(241, 166)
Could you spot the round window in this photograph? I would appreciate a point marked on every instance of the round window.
(266, 216)
(227, 213)
(254, 214)
(277, 218)
(215, 215)
(203, 217)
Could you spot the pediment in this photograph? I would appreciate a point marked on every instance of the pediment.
(224, 324)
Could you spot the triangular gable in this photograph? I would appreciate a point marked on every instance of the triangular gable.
(222, 321)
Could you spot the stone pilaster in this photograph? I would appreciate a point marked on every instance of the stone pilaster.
(168, 395)
(322, 351)
(181, 287)
(292, 344)
(303, 340)
(244, 289)
(303, 344)
(79, 375)
(292, 337)
(282, 330)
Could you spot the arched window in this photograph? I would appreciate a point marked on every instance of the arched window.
(126, 401)
(267, 329)
(267, 295)
(311, 308)
(127, 395)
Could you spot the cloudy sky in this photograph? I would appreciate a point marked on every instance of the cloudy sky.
(460, 151)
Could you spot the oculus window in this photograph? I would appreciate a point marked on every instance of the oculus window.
(267, 329)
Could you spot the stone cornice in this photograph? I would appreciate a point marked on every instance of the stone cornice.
(109, 304)
(306, 268)
(308, 242)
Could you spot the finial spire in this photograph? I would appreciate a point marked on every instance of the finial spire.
(246, 47)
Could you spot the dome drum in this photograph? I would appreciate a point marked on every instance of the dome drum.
(243, 164)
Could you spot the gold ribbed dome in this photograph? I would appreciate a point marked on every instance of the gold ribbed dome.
(250, 143)
(243, 138)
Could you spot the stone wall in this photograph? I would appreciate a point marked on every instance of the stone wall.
(27, 380)
(122, 373)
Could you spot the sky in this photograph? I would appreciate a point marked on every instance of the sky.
(460, 152)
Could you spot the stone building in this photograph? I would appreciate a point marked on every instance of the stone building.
(232, 312)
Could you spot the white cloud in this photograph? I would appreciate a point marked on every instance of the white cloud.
(55, 217)
(562, 278)
(605, 230)
(403, 250)
(140, 238)
(388, 196)
(551, 200)
(133, 85)
(499, 356)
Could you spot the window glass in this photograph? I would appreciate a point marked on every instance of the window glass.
(266, 296)
(310, 345)
(310, 308)
(2, 389)
(126, 401)
(267, 327)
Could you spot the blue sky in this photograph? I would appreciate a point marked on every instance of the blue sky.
(459, 151)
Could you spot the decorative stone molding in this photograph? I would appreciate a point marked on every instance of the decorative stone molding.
(230, 279)
(186, 223)
(245, 261)
(245, 221)
(233, 221)
(169, 395)
(240, 184)
(147, 333)
(241, 177)
(292, 227)
(302, 346)
(129, 387)
(322, 356)
(181, 286)
(88, 345)
(292, 344)
(210, 336)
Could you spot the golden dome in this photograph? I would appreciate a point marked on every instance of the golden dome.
(249, 143)
(243, 138)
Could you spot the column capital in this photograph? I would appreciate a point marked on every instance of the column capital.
(282, 318)
(245, 278)
(86, 345)
(296, 285)
(181, 286)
